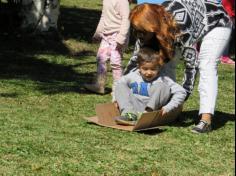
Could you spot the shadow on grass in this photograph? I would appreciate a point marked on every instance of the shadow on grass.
(150, 132)
(18, 52)
(49, 77)
(8, 95)
(18, 58)
(78, 23)
(189, 118)
(153, 132)
(73, 23)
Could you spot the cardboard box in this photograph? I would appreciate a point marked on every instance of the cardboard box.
(106, 113)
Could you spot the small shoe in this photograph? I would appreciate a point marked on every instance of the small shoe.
(127, 119)
(202, 127)
(226, 60)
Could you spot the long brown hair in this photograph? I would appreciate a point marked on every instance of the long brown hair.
(154, 18)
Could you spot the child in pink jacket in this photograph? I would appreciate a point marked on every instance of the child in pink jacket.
(113, 32)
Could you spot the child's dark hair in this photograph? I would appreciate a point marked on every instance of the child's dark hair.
(148, 55)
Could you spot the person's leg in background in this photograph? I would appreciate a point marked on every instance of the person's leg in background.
(225, 58)
(232, 45)
(212, 47)
(103, 55)
(116, 63)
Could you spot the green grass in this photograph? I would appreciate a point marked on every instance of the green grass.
(42, 105)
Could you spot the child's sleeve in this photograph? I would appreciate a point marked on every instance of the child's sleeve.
(178, 95)
(125, 80)
(123, 8)
(98, 32)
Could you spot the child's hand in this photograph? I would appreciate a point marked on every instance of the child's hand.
(163, 112)
(119, 47)
(95, 39)
(116, 104)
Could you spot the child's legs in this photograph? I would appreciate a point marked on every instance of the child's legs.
(115, 58)
(102, 57)
(211, 49)
(127, 101)
(116, 65)
(159, 96)
(115, 62)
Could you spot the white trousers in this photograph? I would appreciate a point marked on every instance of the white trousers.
(212, 47)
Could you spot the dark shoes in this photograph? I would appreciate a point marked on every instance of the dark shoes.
(127, 119)
(202, 127)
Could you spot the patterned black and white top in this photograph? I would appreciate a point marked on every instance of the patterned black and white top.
(195, 19)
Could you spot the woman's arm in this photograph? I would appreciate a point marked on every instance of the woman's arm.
(190, 59)
(132, 64)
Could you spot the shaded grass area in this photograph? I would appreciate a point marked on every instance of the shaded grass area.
(43, 102)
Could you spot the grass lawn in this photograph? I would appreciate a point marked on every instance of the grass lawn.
(42, 105)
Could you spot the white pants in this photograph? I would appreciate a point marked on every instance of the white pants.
(212, 47)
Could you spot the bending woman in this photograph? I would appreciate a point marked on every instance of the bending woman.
(200, 29)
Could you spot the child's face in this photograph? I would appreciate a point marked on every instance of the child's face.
(149, 70)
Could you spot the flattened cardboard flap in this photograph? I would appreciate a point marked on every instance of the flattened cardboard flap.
(146, 120)
(154, 119)
(106, 113)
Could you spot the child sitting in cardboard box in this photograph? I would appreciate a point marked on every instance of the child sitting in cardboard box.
(146, 89)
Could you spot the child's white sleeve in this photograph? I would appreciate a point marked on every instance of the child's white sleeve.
(123, 8)
(125, 80)
(178, 95)
(99, 30)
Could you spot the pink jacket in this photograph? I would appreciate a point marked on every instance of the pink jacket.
(114, 19)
